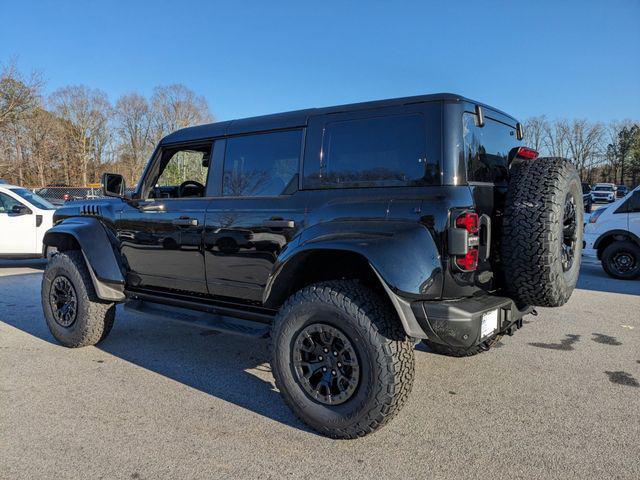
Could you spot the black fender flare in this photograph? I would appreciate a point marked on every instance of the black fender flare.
(403, 255)
(98, 251)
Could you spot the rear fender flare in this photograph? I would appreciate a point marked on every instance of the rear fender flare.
(98, 251)
(403, 256)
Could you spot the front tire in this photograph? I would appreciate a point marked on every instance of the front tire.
(74, 314)
(341, 360)
(621, 260)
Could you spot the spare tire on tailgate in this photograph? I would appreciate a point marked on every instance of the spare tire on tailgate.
(542, 231)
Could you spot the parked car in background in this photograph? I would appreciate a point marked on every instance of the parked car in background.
(603, 192)
(613, 237)
(24, 219)
(59, 194)
(586, 197)
(621, 191)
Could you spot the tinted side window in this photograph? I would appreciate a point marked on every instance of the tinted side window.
(631, 204)
(487, 149)
(7, 203)
(264, 164)
(373, 152)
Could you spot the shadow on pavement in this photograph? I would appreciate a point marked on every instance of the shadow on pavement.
(225, 366)
(593, 277)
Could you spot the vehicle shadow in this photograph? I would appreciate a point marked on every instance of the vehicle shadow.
(10, 266)
(593, 277)
(232, 368)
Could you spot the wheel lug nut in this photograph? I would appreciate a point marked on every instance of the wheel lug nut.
(326, 350)
(333, 372)
(335, 354)
(339, 364)
(320, 358)
(324, 369)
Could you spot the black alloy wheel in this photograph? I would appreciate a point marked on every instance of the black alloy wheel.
(569, 233)
(325, 364)
(624, 262)
(63, 301)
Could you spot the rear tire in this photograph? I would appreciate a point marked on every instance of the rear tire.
(542, 232)
(621, 260)
(366, 393)
(74, 314)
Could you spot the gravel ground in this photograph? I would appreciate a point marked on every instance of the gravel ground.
(559, 399)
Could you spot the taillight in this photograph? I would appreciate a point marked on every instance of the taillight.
(66, 197)
(468, 221)
(468, 261)
(526, 153)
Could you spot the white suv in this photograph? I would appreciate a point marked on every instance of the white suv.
(24, 218)
(613, 236)
(603, 192)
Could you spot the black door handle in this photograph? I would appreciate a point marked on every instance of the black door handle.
(185, 222)
(280, 223)
(152, 207)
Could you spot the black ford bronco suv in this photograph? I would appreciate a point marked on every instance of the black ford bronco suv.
(346, 234)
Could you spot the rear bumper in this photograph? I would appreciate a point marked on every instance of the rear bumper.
(458, 323)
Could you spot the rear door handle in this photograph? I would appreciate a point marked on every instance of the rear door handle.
(280, 223)
(185, 222)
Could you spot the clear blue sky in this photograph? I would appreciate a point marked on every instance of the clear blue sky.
(559, 58)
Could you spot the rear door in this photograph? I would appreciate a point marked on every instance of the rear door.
(17, 231)
(258, 212)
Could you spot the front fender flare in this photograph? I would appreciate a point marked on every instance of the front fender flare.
(98, 251)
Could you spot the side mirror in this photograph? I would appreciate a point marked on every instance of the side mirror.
(20, 210)
(113, 185)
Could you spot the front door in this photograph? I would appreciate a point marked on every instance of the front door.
(17, 230)
(161, 233)
(259, 211)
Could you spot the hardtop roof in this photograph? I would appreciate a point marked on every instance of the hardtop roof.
(299, 118)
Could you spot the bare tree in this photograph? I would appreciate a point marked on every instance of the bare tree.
(19, 96)
(535, 131)
(176, 106)
(134, 122)
(86, 112)
(583, 140)
(45, 146)
(555, 138)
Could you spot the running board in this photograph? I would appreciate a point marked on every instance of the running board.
(212, 321)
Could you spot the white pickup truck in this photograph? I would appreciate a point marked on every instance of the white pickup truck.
(24, 219)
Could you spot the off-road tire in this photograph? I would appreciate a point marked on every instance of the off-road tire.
(384, 350)
(94, 318)
(532, 237)
(628, 247)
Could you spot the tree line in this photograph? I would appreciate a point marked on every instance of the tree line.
(601, 152)
(73, 135)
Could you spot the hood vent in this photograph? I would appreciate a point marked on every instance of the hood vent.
(90, 209)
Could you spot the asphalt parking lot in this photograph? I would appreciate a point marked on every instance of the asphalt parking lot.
(559, 399)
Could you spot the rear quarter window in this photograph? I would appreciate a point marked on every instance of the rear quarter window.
(486, 149)
(382, 151)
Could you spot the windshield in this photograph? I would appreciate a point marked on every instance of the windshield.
(33, 199)
(603, 188)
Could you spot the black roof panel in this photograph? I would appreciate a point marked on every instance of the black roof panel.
(297, 118)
